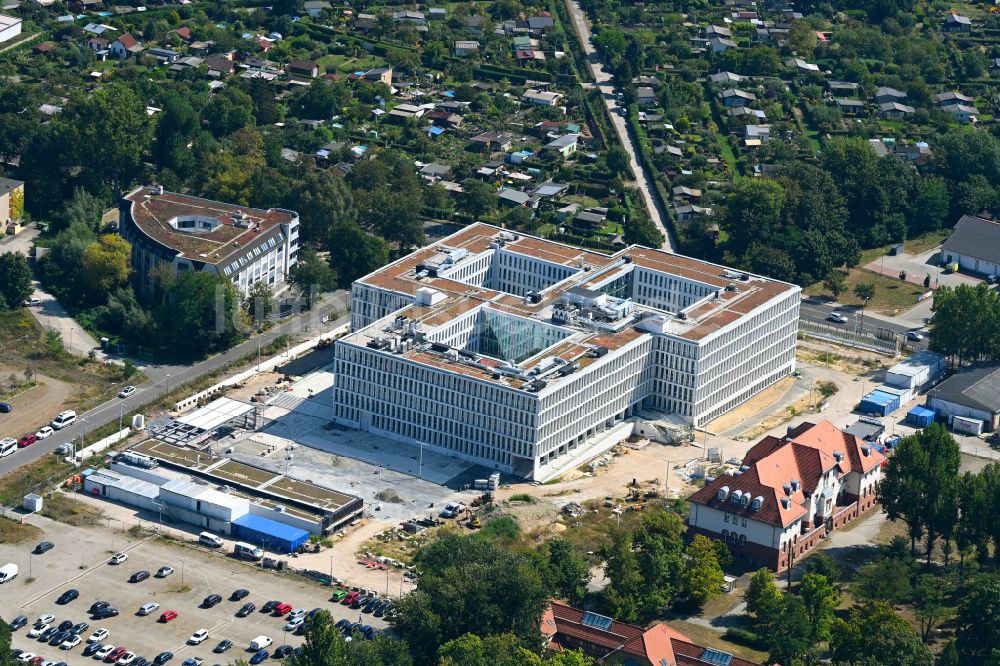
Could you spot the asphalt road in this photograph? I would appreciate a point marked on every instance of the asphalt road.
(162, 377)
(630, 143)
(817, 310)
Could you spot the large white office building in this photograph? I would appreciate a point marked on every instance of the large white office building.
(512, 351)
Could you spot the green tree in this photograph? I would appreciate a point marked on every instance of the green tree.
(835, 283)
(6, 658)
(567, 574)
(702, 578)
(887, 579)
(199, 315)
(623, 594)
(894, 643)
(763, 598)
(865, 291)
(618, 161)
(659, 551)
(753, 213)
(354, 252)
(793, 637)
(15, 280)
(976, 310)
(640, 230)
(312, 271)
(819, 599)
(84, 208)
(979, 622)
(502, 650)
(469, 585)
(478, 198)
(323, 201)
(106, 264)
(258, 303)
(325, 646)
(228, 111)
(929, 602)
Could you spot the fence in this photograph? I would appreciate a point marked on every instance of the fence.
(844, 336)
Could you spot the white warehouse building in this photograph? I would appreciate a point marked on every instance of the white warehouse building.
(513, 352)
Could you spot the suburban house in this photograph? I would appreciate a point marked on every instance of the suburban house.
(681, 192)
(219, 66)
(885, 94)
(788, 493)
(951, 97)
(801, 65)
(645, 96)
(125, 46)
(957, 23)
(414, 18)
(736, 97)
(465, 48)
(379, 75)
(747, 112)
(894, 111)
(437, 13)
(493, 141)
(306, 68)
(689, 212)
(725, 79)
(165, 56)
(718, 31)
(974, 245)
(969, 400)
(755, 136)
(721, 44)
(850, 107)
(366, 22)
(11, 205)
(963, 113)
(516, 198)
(842, 87)
(565, 145)
(316, 7)
(540, 97)
(567, 628)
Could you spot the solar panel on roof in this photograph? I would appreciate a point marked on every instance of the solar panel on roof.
(713, 656)
(596, 621)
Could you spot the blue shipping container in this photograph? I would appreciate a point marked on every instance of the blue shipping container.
(920, 416)
(879, 402)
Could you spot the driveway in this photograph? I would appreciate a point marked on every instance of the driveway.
(918, 267)
(643, 179)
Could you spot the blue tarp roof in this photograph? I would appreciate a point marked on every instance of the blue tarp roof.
(920, 410)
(271, 527)
(881, 398)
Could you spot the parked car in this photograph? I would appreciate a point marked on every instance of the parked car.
(238, 594)
(192, 661)
(104, 652)
(198, 637)
(27, 440)
(126, 392)
(294, 624)
(43, 547)
(6, 407)
(246, 609)
(79, 628)
(47, 634)
(44, 431)
(259, 657)
(18, 622)
(91, 649)
(26, 657)
(58, 638)
(282, 651)
(164, 571)
(351, 598)
(163, 658)
(71, 642)
(68, 596)
(338, 595)
(167, 616)
(98, 605)
(149, 608)
(45, 618)
(138, 577)
(115, 655)
(37, 630)
(118, 558)
(224, 646)
(282, 609)
(342, 624)
(125, 659)
(269, 606)
(98, 635)
(211, 600)
(65, 625)
(105, 613)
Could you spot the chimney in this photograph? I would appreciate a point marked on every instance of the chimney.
(838, 456)
(795, 485)
(787, 488)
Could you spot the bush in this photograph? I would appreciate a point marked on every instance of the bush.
(742, 637)
(522, 497)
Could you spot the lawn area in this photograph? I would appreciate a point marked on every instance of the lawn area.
(927, 241)
(891, 295)
(702, 635)
(347, 64)
(727, 154)
(33, 477)
(11, 531)
(67, 509)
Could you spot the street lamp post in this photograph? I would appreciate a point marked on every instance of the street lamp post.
(420, 473)
(182, 572)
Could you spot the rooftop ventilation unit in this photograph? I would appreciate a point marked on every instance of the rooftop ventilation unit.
(156, 189)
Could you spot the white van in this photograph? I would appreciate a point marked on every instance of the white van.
(8, 572)
(209, 539)
(7, 446)
(247, 551)
(64, 419)
(260, 643)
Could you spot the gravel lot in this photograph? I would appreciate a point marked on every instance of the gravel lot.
(79, 560)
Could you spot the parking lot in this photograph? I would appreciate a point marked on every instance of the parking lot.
(79, 560)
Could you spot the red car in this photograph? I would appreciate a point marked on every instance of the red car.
(167, 616)
(351, 598)
(282, 609)
(115, 655)
(27, 440)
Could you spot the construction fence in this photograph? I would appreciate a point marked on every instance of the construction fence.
(880, 340)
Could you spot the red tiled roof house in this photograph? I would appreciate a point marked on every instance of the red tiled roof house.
(610, 642)
(788, 493)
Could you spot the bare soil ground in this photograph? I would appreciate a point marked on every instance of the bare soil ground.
(36, 406)
(13, 531)
(751, 407)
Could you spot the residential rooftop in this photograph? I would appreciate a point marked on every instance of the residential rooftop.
(200, 229)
